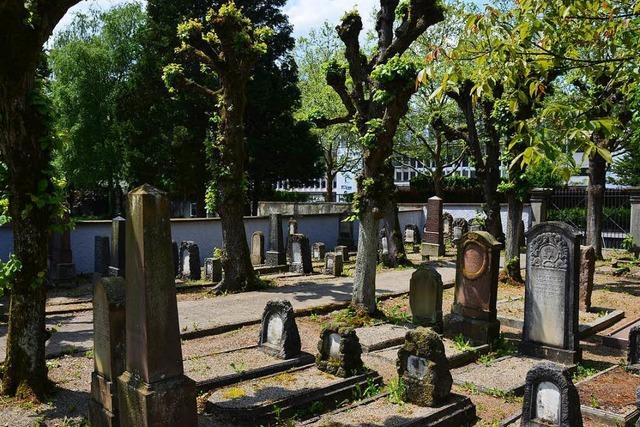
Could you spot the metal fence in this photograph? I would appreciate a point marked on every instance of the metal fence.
(570, 205)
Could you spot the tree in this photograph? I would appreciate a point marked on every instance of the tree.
(25, 146)
(92, 60)
(378, 97)
(226, 46)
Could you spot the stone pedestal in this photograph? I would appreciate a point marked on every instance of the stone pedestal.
(153, 391)
(539, 203)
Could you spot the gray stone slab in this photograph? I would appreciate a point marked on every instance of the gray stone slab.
(507, 374)
(378, 337)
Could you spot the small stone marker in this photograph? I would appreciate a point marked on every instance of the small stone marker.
(257, 248)
(109, 354)
(474, 313)
(425, 297)
(433, 245)
(550, 328)
(447, 226)
(102, 255)
(293, 226)
(344, 251)
(410, 235)
(333, 264)
(587, 271)
(550, 398)
(339, 352)
(300, 254)
(463, 224)
(190, 261)
(633, 354)
(118, 247)
(279, 334)
(153, 391)
(175, 257)
(318, 251)
(424, 369)
(213, 269)
(276, 254)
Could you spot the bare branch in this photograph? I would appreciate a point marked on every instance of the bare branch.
(384, 23)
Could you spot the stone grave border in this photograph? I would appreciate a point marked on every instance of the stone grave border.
(280, 366)
(620, 343)
(331, 397)
(462, 409)
(457, 361)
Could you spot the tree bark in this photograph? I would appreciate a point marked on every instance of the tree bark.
(595, 203)
(395, 241)
(512, 241)
(364, 279)
(328, 195)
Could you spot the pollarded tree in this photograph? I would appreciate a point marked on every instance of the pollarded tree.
(25, 147)
(376, 99)
(226, 45)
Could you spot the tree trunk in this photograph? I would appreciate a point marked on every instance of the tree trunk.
(397, 253)
(364, 279)
(437, 181)
(512, 243)
(595, 202)
(27, 156)
(328, 195)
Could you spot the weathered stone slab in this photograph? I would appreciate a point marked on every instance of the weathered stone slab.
(619, 338)
(425, 297)
(190, 261)
(278, 331)
(378, 337)
(300, 254)
(257, 248)
(102, 255)
(333, 264)
(339, 352)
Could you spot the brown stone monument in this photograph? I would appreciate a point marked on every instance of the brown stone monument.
(474, 313)
(433, 242)
(108, 350)
(587, 271)
(153, 391)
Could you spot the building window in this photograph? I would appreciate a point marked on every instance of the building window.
(405, 176)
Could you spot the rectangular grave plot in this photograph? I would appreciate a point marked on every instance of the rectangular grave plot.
(609, 397)
(506, 374)
(241, 364)
(378, 411)
(287, 394)
(619, 338)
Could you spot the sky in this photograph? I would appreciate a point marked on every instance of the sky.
(303, 14)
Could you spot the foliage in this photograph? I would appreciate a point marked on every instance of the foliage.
(461, 343)
(396, 388)
(578, 216)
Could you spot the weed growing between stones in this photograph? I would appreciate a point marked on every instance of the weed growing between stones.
(461, 343)
(396, 389)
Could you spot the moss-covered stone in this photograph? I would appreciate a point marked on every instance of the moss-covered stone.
(348, 361)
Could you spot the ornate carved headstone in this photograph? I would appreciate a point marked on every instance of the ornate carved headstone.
(257, 248)
(190, 261)
(118, 247)
(633, 354)
(551, 293)
(318, 251)
(333, 264)
(102, 255)
(279, 334)
(300, 254)
(344, 251)
(433, 244)
(474, 313)
(424, 369)
(425, 297)
(339, 352)
(587, 271)
(213, 269)
(109, 353)
(153, 391)
(276, 254)
(550, 398)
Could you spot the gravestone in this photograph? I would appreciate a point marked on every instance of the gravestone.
(339, 352)
(412, 234)
(550, 328)
(109, 343)
(213, 269)
(447, 226)
(190, 261)
(345, 232)
(276, 254)
(318, 251)
(300, 254)
(550, 398)
(423, 367)
(633, 353)
(463, 224)
(102, 255)
(383, 245)
(333, 265)
(279, 334)
(433, 242)
(153, 390)
(587, 271)
(257, 248)
(425, 297)
(175, 257)
(61, 266)
(118, 247)
(344, 251)
(474, 313)
(293, 226)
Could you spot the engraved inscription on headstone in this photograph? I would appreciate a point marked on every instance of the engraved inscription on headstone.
(274, 330)
(416, 366)
(548, 403)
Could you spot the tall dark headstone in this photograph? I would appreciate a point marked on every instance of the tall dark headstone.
(344, 251)
(276, 254)
(118, 247)
(279, 334)
(433, 242)
(213, 269)
(109, 350)
(61, 266)
(153, 391)
(633, 354)
(474, 313)
(101, 255)
(550, 398)
(551, 293)
(425, 297)
(190, 261)
(300, 254)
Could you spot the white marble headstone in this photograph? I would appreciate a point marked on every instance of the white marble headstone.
(416, 366)
(548, 403)
(385, 246)
(333, 345)
(186, 267)
(275, 327)
(297, 253)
